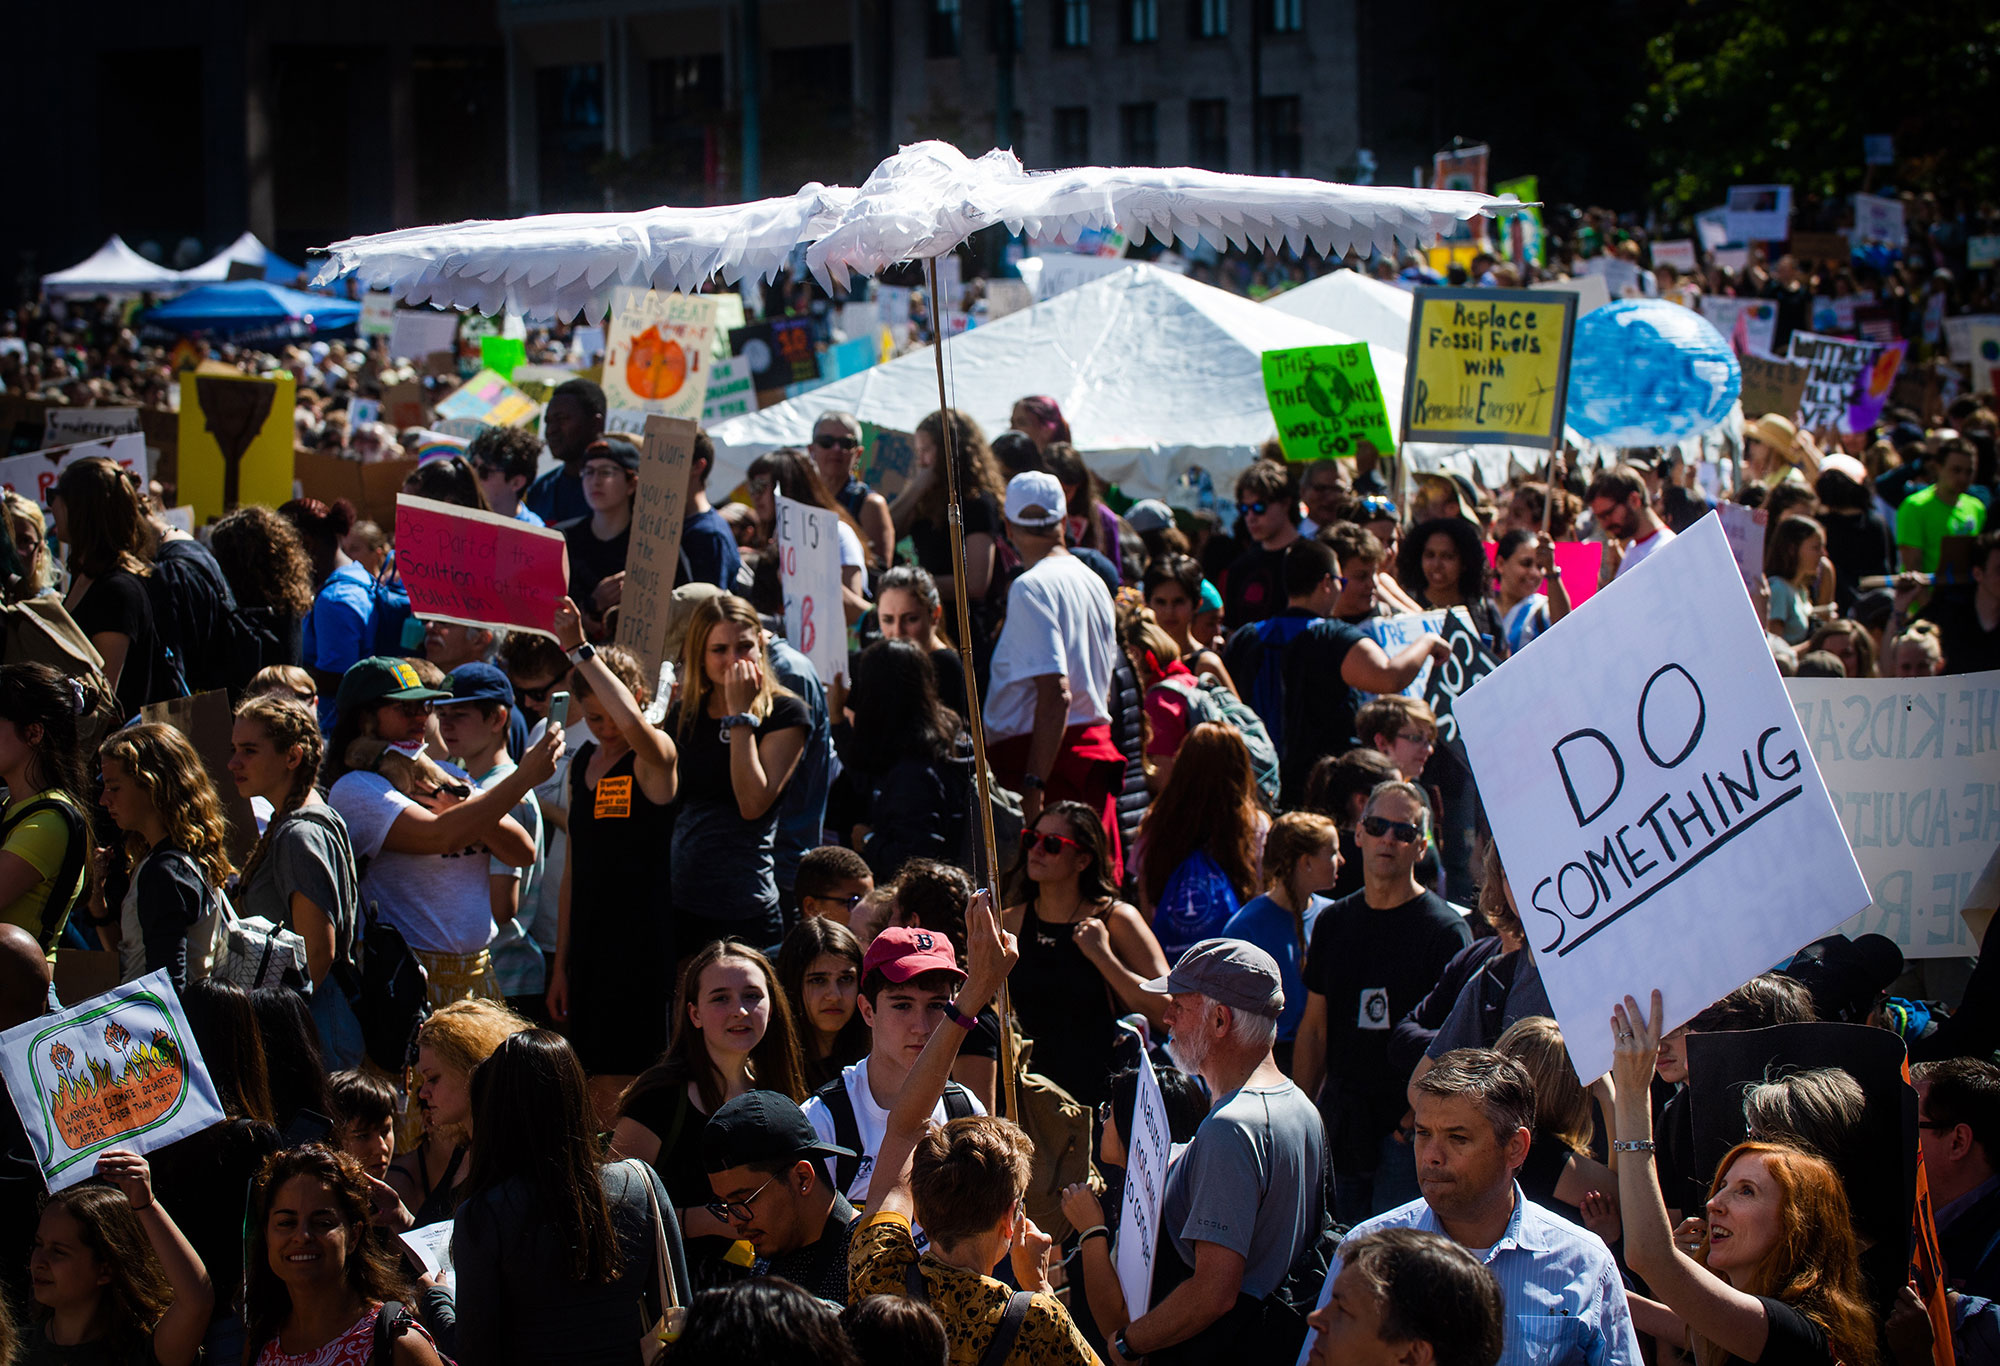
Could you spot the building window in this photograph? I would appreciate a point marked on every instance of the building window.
(943, 34)
(569, 136)
(1208, 133)
(1072, 136)
(1282, 149)
(1139, 133)
(1208, 18)
(1142, 21)
(1071, 23)
(1285, 16)
(686, 107)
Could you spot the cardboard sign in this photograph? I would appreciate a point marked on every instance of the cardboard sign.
(1813, 247)
(1396, 634)
(1758, 213)
(67, 426)
(1878, 218)
(1678, 253)
(235, 442)
(121, 1070)
(419, 333)
(1488, 366)
(371, 486)
(654, 552)
(1877, 382)
(206, 719)
(730, 391)
(1669, 796)
(488, 399)
(778, 352)
(1711, 228)
(502, 355)
(1982, 251)
(1324, 399)
(1471, 660)
(479, 568)
(1839, 369)
(1964, 332)
(1913, 766)
(404, 405)
(34, 475)
(658, 349)
(1772, 386)
(361, 411)
(890, 459)
(1060, 272)
(1744, 528)
(1750, 325)
(809, 567)
(378, 314)
(1149, 1149)
(1621, 278)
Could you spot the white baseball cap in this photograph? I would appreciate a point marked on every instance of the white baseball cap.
(1036, 489)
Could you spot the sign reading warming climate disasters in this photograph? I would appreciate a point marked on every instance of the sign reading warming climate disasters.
(1324, 399)
(1665, 826)
(1488, 366)
(479, 568)
(1913, 765)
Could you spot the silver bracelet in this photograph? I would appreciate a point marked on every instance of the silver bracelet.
(1634, 1145)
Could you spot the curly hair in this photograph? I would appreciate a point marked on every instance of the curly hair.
(264, 558)
(373, 1272)
(977, 471)
(287, 725)
(137, 1292)
(165, 767)
(1464, 538)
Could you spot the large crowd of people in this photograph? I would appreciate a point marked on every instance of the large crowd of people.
(733, 1044)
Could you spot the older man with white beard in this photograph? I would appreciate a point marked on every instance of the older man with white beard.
(1247, 1195)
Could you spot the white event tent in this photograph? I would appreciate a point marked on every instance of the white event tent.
(113, 269)
(1348, 301)
(246, 250)
(1157, 373)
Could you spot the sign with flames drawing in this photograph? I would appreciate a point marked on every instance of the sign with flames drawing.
(120, 1070)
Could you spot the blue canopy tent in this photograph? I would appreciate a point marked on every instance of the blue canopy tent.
(259, 307)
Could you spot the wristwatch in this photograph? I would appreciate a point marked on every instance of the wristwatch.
(1118, 1345)
(583, 652)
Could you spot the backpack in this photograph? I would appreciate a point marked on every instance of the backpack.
(847, 1130)
(390, 995)
(1266, 691)
(1210, 701)
(1196, 905)
(67, 888)
(39, 630)
(1059, 1127)
(251, 640)
(392, 612)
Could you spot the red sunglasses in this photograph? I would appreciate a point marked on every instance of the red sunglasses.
(1051, 844)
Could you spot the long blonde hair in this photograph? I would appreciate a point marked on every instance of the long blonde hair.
(166, 768)
(1562, 1107)
(724, 607)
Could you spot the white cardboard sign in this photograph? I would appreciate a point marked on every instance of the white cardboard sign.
(34, 474)
(1665, 826)
(1148, 1149)
(1913, 766)
(1759, 213)
(67, 426)
(1396, 634)
(420, 332)
(809, 568)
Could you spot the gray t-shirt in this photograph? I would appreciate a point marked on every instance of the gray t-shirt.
(440, 902)
(1251, 1181)
(309, 853)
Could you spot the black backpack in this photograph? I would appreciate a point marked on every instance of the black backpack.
(847, 1130)
(390, 995)
(66, 888)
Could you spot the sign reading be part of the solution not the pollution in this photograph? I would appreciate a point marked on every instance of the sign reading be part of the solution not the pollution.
(1665, 826)
(1488, 366)
(479, 568)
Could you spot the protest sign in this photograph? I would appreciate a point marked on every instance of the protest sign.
(1913, 766)
(1711, 228)
(1326, 398)
(1148, 1150)
(1678, 253)
(1488, 366)
(1471, 659)
(378, 314)
(205, 719)
(1744, 528)
(1590, 290)
(502, 355)
(1772, 386)
(1670, 795)
(1877, 382)
(1396, 634)
(370, 485)
(1060, 272)
(809, 567)
(1758, 213)
(657, 351)
(1814, 247)
(778, 352)
(1621, 278)
(404, 405)
(1982, 251)
(1520, 230)
(363, 410)
(121, 1070)
(1579, 562)
(419, 333)
(235, 442)
(658, 511)
(1460, 168)
(488, 399)
(1962, 334)
(479, 568)
(1837, 368)
(1750, 324)
(1878, 218)
(850, 357)
(894, 303)
(889, 459)
(730, 393)
(33, 475)
(67, 426)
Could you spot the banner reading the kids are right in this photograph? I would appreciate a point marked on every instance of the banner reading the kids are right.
(120, 1070)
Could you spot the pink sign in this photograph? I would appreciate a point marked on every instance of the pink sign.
(479, 568)
(1579, 562)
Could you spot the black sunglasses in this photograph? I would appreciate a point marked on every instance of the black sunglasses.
(540, 694)
(845, 443)
(1257, 508)
(1403, 831)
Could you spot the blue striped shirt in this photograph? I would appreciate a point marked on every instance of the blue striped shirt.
(1559, 1287)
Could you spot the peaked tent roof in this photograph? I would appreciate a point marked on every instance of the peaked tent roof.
(250, 306)
(113, 268)
(1156, 373)
(248, 250)
(1348, 301)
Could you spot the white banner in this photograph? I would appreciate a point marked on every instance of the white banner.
(1759, 213)
(1148, 1149)
(67, 426)
(1744, 526)
(34, 474)
(1664, 825)
(809, 567)
(1913, 766)
(1879, 219)
(121, 1070)
(1750, 324)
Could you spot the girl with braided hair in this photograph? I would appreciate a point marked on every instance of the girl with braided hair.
(301, 873)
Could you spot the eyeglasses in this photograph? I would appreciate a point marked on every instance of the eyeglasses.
(1050, 844)
(540, 694)
(1401, 831)
(1427, 741)
(842, 443)
(848, 901)
(738, 1209)
(413, 708)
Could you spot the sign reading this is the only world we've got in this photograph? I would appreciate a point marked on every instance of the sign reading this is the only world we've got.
(1664, 822)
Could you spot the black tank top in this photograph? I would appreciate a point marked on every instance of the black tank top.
(1064, 1005)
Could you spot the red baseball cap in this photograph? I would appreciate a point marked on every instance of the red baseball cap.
(903, 951)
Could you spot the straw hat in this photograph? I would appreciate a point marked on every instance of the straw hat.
(1777, 432)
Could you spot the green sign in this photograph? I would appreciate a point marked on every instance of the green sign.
(1325, 399)
(502, 354)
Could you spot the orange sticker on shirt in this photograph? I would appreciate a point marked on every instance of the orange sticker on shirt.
(614, 797)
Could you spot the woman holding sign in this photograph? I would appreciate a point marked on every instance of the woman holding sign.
(1444, 564)
(790, 473)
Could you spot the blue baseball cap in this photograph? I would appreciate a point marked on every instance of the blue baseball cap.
(479, 682)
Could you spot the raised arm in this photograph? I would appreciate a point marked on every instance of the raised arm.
(655, 760)
(418, 831)
(178, 1335)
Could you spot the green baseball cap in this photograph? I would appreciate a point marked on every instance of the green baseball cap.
(380, 678)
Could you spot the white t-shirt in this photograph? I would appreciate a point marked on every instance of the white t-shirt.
(440, 902)
(1058, 622)
(870, 1120)
(1639, 550)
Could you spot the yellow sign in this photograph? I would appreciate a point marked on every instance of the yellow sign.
(235, 442)
(1488, 366)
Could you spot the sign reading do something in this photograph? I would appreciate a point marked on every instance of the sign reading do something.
(1666, 826)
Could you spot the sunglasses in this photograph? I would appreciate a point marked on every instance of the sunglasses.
(833, 443)
(1259, 508)
(1402, 831)
(1375, 508)
(540, 694)
(413, 708)
(738, 1209)
(848, 901)
(1050, 844)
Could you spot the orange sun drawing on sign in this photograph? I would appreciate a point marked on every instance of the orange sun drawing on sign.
(657, 367)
